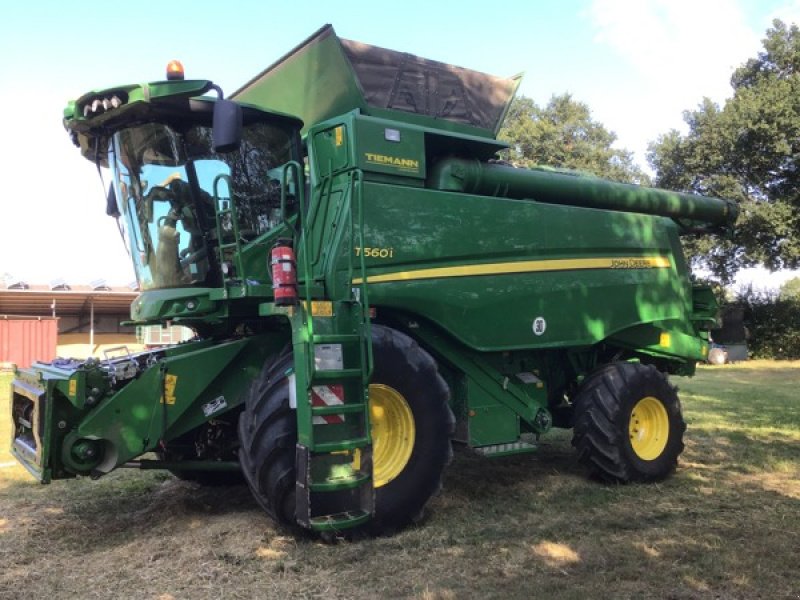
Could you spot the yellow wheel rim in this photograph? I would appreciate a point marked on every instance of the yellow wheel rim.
(392, 424)
(649, 428)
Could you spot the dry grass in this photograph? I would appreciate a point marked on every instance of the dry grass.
(727, 525)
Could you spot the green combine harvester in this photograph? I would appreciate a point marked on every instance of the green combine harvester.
(368, 284)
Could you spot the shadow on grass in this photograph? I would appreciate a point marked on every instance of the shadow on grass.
(487, 478)
(122, 505)
(518, 527)
(126, 504)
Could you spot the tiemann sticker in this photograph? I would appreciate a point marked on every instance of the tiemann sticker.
(403, 164)
(73, 388)
(539, 326)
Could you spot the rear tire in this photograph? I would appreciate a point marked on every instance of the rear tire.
(628, 423)
(268, 433)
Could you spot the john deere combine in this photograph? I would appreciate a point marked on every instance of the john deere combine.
(367, 284)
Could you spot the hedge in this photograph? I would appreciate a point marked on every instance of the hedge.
(773, 325)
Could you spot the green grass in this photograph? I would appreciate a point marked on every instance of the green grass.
(726, 525)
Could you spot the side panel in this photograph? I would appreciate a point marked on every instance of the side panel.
(172, 397)
(501, 274)
(490, 422)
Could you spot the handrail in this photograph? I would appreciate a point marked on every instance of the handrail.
(294, 167)
(301, 239)
(357, 198)
(353, 203)
(221, 244)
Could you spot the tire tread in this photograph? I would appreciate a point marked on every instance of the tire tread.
(600, 426)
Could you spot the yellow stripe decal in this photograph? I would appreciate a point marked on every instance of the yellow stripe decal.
(524, 266)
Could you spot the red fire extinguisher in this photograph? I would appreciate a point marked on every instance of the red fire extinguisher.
(284, 273)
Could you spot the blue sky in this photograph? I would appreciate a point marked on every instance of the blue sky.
(637, 64)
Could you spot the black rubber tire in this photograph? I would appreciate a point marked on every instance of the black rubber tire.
(403, 365)
(603, 408)
(268, 433)
(268, 436)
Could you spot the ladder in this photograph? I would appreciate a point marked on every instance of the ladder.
(333, 364)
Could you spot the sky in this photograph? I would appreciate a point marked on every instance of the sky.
(638, 64)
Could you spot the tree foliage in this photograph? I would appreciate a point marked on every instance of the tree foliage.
(748, 150)
(773, 324)
(790, 290)
(563, 134)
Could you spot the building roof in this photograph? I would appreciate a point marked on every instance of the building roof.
(42, 300)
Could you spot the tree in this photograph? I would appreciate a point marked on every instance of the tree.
(562, 134)
(790, 290)
(748, 150)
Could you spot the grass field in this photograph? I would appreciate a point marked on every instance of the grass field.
(727, 525)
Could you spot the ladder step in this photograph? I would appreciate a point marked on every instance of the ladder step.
(338, 409)
(340, 338)
(342, 520)
(506, 449)
(338, 446)
(334, 375)
(340, 483)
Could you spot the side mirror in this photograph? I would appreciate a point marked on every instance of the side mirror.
(227, 124)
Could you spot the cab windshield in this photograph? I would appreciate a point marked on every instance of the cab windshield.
(170, 185)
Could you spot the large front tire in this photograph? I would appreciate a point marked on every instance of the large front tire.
(411, 427)
(268, 435)
(407, 393)
(628, 423)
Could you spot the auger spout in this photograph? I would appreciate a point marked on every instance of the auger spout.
(560, 187)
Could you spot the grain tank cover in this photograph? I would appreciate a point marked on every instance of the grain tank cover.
(326, 76)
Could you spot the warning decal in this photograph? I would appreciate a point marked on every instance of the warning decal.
(170, 382)
(327, 395)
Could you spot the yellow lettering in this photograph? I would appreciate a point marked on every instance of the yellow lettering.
(375, 252)
(401, 163)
